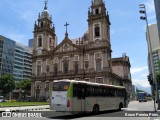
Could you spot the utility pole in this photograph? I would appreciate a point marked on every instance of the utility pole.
(142, 6)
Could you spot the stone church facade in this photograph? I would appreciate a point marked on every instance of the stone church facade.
(88, 59)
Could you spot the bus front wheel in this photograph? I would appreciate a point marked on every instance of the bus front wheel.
(96, 109)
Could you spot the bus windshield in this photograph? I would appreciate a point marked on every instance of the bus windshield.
(140, 95)
(60, 86)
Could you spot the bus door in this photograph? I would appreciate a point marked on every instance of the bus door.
(79, 92)
(82, 95)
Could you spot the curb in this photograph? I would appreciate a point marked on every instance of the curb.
(26, 109)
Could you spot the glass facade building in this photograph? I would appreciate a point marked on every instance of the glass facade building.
(157, 10)
(30, 43)
(15, 59)
(18, 62)
(7, 55)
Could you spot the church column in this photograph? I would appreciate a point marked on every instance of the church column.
(105, 59)
(34, 68)
(71, 63)
(43, 66)
(33, 89)
(60, 65)
(81, 59)
(50, 87)
(42, 89)
(50, 91)
(91, 60)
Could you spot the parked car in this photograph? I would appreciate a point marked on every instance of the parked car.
(2, 99)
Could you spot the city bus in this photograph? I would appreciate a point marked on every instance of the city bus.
(142, 96)
(81, 96)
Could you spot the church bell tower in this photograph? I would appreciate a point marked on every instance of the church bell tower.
(44, 32)
(98, 22)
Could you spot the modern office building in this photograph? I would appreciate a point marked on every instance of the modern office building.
(155, 43)
(7, 48)
(15, 59)
(30, 43)
(27, 63)
(157, 10)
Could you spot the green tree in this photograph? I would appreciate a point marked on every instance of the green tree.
(25, 85)
(158, 77)
(7, 83)
(17, 85)
(138, 90)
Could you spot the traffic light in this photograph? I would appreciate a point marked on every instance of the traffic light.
(143, 18)
(142, 11)
(150, 79)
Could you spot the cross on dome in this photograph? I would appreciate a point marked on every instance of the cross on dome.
(45, 7)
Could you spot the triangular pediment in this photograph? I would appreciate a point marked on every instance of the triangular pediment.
(66, 45)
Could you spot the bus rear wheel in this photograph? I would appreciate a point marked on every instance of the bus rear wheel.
(95, 109)
(120, 106)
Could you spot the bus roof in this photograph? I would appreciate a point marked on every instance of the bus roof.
(89, 83)
(141, 92)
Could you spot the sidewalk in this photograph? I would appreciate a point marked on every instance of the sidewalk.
(25, 108)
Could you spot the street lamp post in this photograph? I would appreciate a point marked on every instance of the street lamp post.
(142, 6)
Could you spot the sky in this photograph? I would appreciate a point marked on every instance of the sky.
(127, 30)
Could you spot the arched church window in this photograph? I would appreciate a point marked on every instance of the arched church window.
(40, 42)
(98, 65)
(47, 69)
(38, 70)
(76, 68)
(86, 65)
(42, 24)
(50, 41)
(65, 67)
(97, 11)
(97, 31)
(56, 69)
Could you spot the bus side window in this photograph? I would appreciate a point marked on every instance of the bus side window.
(103, 92)
(107, 92)
(118, 93)
(84, 94)
(75, 90)
(79, 92)
(125, 95)
(96, 91)
(89, 91)
(113, 92)
(92, 91)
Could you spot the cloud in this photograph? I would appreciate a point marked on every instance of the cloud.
(21, 11)
(144, 75)
(138, 69)
(152, 17)
(150, 6)
(143, 83)
(14, 34)
(17, 37)
(113, 31)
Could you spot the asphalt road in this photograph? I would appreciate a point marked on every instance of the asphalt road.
(134, 109)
